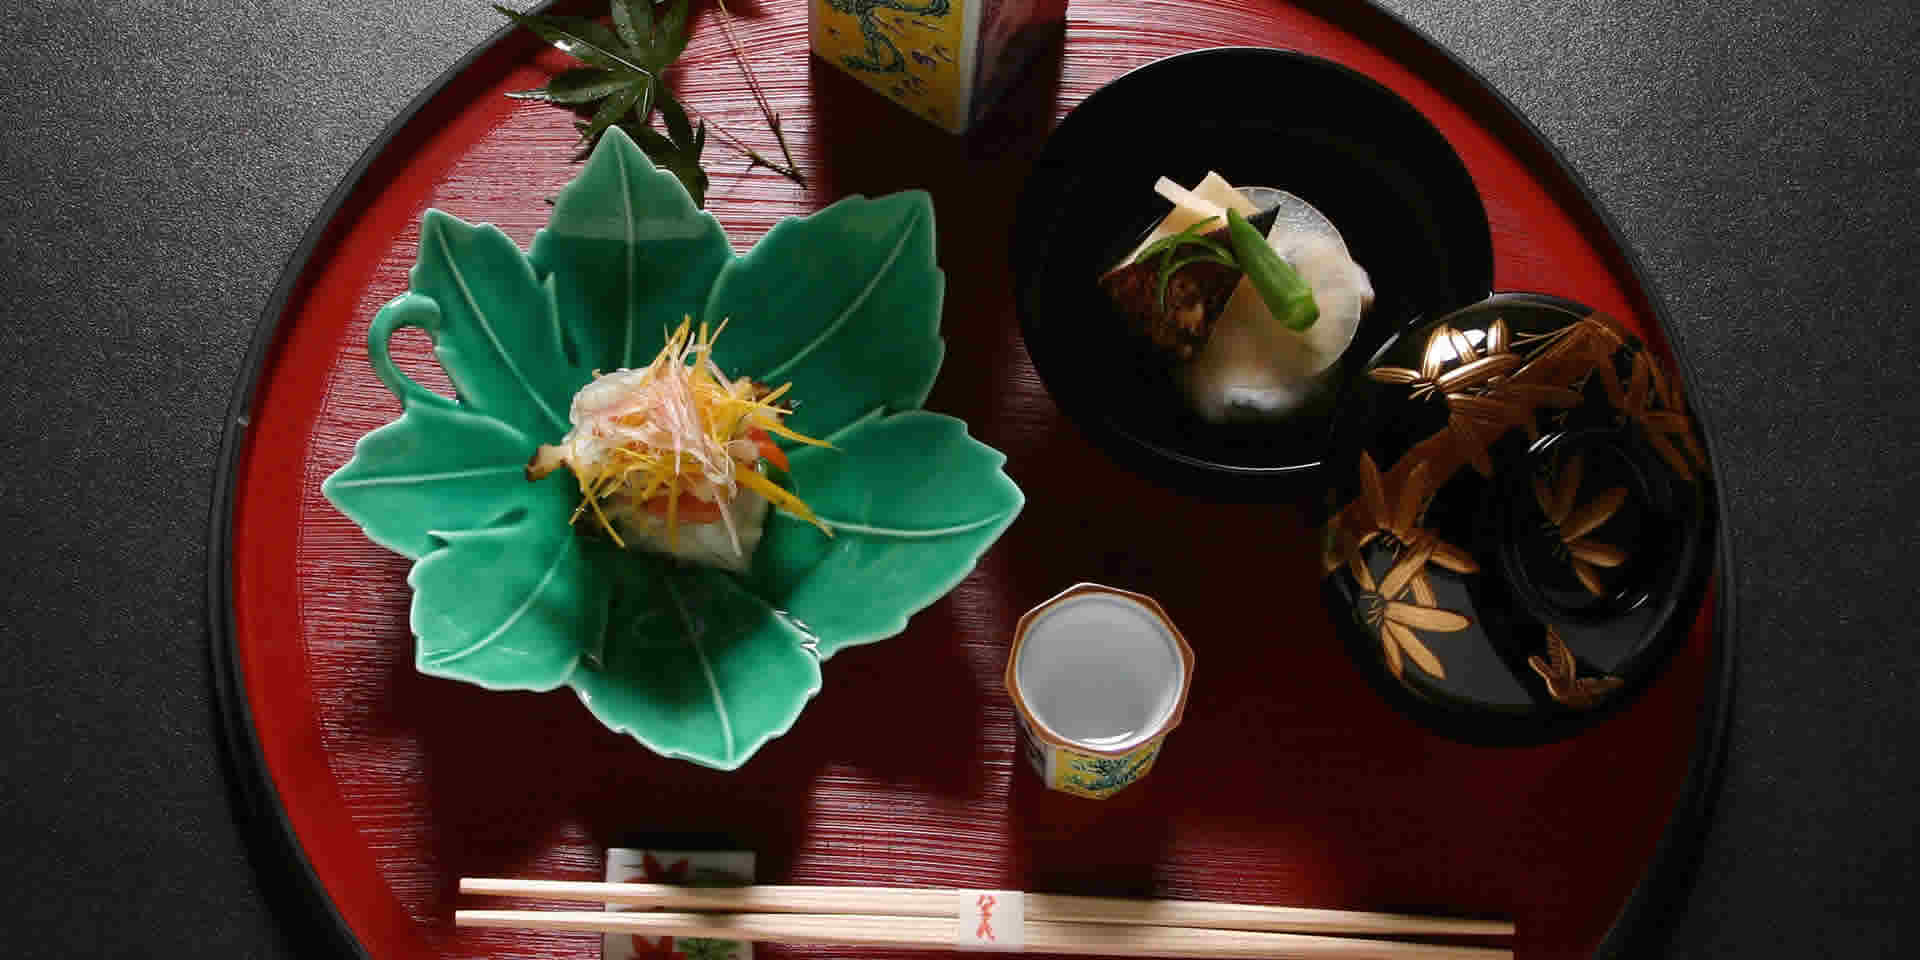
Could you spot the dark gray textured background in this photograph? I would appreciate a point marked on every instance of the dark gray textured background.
(161, 160)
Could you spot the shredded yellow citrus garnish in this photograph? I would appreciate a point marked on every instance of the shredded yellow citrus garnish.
(676, 429)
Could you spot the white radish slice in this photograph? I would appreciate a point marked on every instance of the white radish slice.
(1313, 247)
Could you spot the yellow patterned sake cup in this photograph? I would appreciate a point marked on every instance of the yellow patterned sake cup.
(1098, 677)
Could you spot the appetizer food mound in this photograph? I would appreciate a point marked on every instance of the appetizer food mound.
(671, 458)
(1249, 316)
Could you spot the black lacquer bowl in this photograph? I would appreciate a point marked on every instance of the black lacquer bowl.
(1389, 181)
(1520, 519)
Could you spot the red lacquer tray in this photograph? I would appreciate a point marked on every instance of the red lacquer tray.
(374, 788)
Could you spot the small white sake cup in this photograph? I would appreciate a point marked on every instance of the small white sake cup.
(1098, 677)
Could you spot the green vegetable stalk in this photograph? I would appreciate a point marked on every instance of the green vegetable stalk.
(1287, 296)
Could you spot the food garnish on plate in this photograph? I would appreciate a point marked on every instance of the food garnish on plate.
(671, 457)
(1249, 321)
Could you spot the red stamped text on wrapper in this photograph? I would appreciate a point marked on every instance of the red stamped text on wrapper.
(990, 920)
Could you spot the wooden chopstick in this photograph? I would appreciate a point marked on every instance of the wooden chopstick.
(908, 902)
(1042, 936)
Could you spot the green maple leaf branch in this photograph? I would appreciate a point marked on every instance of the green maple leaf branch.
(621, 78)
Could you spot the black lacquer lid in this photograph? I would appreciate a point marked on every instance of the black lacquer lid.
(1519, 527)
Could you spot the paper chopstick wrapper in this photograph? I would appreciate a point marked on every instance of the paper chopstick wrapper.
(990, 920)
(733, 867)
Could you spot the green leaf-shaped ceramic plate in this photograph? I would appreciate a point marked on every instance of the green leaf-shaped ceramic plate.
(693, 663)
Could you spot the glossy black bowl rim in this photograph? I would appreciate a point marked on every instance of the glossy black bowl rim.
(1024, 259)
